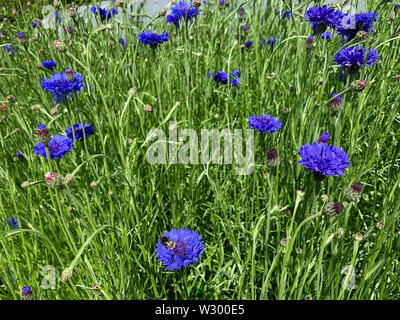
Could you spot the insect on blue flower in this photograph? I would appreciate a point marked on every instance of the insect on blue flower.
(179, 248)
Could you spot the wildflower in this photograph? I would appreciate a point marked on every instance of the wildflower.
(264, 123)
(96, 290)
(103, 13)
(13, 223)
(326, 36)
(235, 80)
(80, 131)
(245, 29)
(248, 44)
(72, 12)
(69, 179)
(66, 274)
(177, 248)
(333, 209)
(34, 25)
(59, 45)
(61, 86)
(358, 85)
(21, 37)
(220, 76)
(323, 17)
(352, 24)
(53, 180)
(336, 103)
(380, 225)
(181, 11)
(284, 15)
(353, 193)
(57, 17)
(272, 41)
(152, 38)
(272, 158)
(43, 133)
(284, 242)
(58, 147)
(122, 42)
(49, 64)
(323, 160)
(9, 49)
(358, 236)
(26, 293)
(351, 59)
(19, 156)
(324, 138)
(310, 41)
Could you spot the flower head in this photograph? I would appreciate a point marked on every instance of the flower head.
(80, 131)
(264, 123)
(353, 193)
(181, 11)
(26, 293)
(103, 13)
(235, 80)
(323, 17)
(13, 223)
(58, 147)
(324, 137)
(350, 59)
(177, 248)
(323, 159)
(49, 64)
(248, 44)
(352, 24)
(152, 38)
(61, 85)
(9, 49)
(333, 209)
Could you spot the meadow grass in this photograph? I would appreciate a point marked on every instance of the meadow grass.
(108, 229)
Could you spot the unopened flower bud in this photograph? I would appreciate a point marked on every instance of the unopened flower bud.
(299, 250)
(72, 12)
(358, 85)
(353, 193)
(25, 184)
(358, 236)
(284, 242)
(60, 46)
(66, 274)
(53, 180)
(380, 225)
(272, 158)
(43, 134)
(69, 178)
(26, 293)
(162, 12)
(333, 209)
(93, 184)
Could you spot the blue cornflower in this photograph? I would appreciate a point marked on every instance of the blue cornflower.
(13, 223)
(56, 16)
(351, 24)
(122, 42)
(235, 80)
(286, 15)
(323, 17)
(58, 146)
(10, 49)
(324, 137)
(34, 25)
(220, 76)
(272, 41)
(152, 38)
(180, 12)
(179, 248)
(26, 293)
(104, 13)
(61, 85)
(326, 36)
(49, 64)
(245, 28)
(350, 59)
(20, 156)
(323, 160)
(264, 123)
(337, 99)
(80, 131)
(248, 44)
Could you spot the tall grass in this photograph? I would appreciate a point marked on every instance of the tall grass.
(112, 227)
